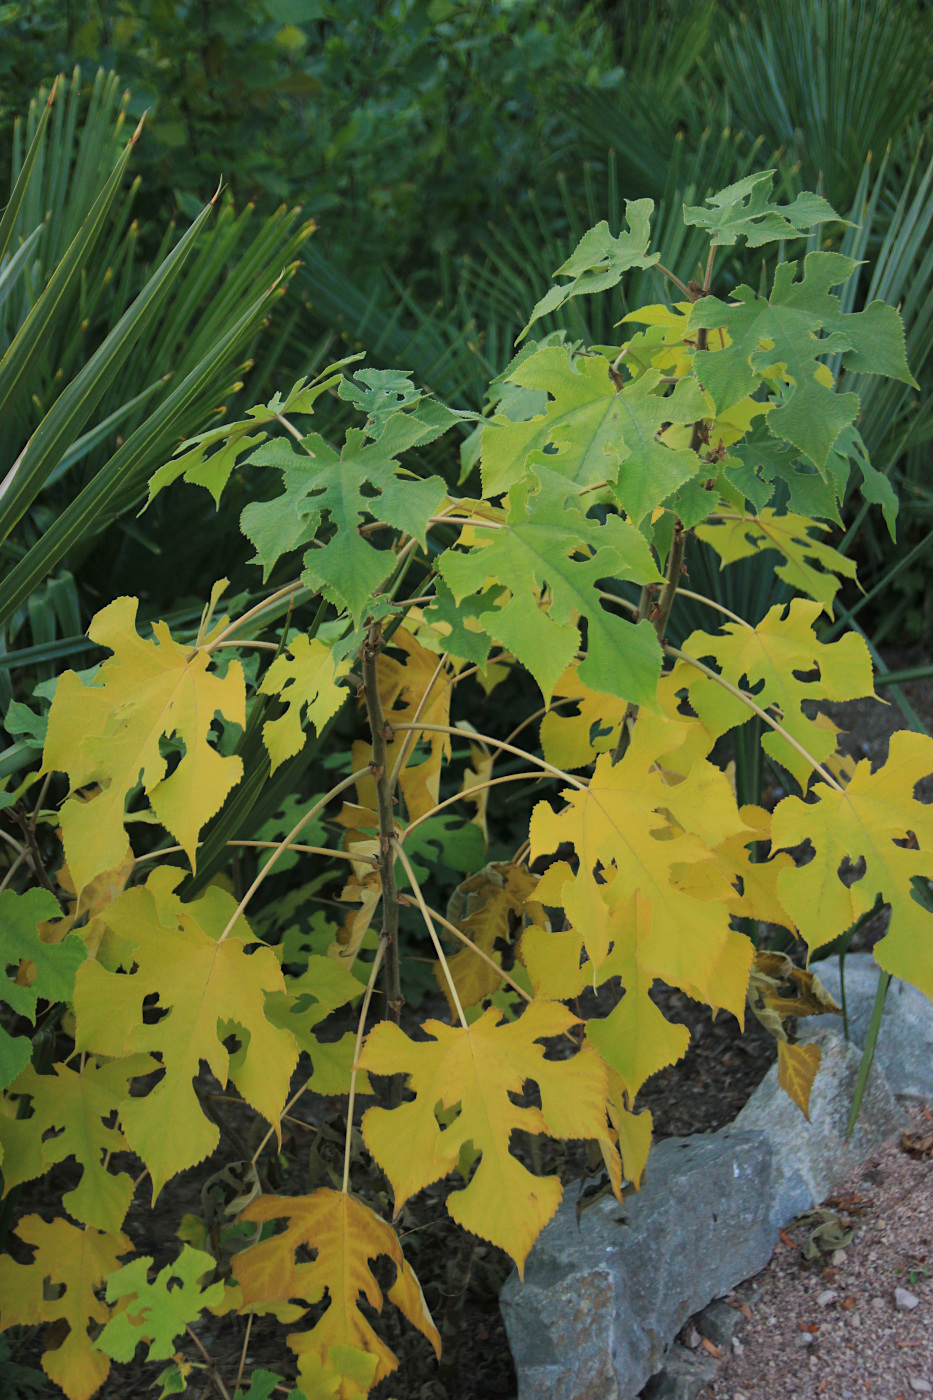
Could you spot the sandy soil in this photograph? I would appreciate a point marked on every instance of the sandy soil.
(857, 1322)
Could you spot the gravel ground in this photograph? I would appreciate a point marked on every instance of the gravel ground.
(859, 1322)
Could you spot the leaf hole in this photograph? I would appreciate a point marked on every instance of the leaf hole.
(153, 1013)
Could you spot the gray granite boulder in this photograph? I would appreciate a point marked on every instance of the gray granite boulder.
(810, 1159)
(602, 1300)
(905, 1042)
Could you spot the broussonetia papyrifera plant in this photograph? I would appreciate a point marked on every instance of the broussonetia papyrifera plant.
(141, 963)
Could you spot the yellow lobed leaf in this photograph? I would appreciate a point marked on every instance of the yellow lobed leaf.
(635, 1039)
(473, 1071)
(797, 1067)
(79, 1261)
(205, 986)
(769, 660)
(346, 1235)
(304, 677)
(571, 740)
(108, 733)
(647, 831)
(759, 897)
(480, 771)
(790, 536)
(633, 1130)
(876, 817)
(488, 908)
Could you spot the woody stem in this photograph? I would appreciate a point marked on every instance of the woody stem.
(380, 732)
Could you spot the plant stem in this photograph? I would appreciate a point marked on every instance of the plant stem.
(380, 732)
(675, 564)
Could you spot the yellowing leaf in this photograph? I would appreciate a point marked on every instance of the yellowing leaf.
(482, 760)
(632, 822)
(68, 1109)
(876, 817)
(571, 740)
(633, 1129)
(208, 988)
(108, 733)
(305, 676)
(489, 909)
(779, 991)
(473, 1071)
(759, 897)
(346, 1235)
(797, 1067)
(771, 661)
(79, 1261)
(326, 984)
(790, 535)
(635, 1039)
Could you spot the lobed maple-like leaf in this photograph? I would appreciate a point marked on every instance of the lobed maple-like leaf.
(635, 1039)
(318, 481)
(875, 818)
(109, 733)
(305, 678)
(743, 537)
(325, 985)
(652, 468)
(157, 1312)
(208, 988)
(745, 210)
(548, 543)
(78, 1261)
(770, 660)
(473, 1072)
(645, 833)
(68, 1109)
(51, 968)
(599, 260)
(230, 441)
(346, 1235)
(795, 327)
(571, 740)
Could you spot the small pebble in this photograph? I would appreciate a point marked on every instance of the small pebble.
(839, 1258)
(737, 1346)
(877, 1303)
(806, 1339)
(903, 1298)
(693, 1339)
(829, 1295)
(919, 1386)
(856, 1319)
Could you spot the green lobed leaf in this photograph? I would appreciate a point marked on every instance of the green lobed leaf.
(744, 210)
(158, 1312)
(55, 967)
(799, 324)
(599, 260)
(348, 569)
(548, 543)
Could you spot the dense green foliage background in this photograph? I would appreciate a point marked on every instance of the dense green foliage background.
(451, 154)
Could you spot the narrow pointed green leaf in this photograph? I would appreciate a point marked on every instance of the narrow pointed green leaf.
(31, 339)
(74, 405)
